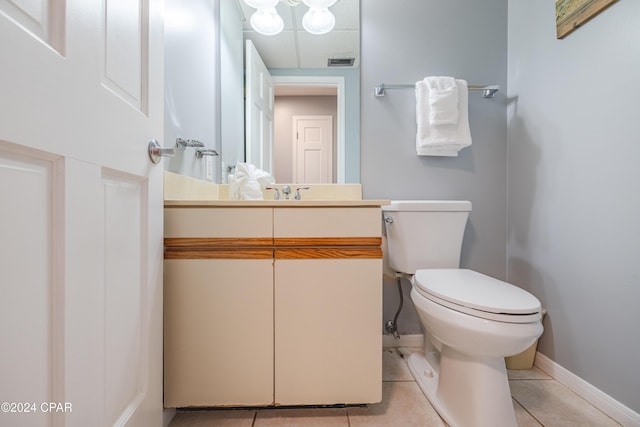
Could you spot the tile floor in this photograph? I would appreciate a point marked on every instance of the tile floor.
(537, 398)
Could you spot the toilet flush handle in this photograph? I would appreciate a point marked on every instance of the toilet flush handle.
(388, 220)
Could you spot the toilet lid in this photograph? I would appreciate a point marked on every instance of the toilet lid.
(476, 291)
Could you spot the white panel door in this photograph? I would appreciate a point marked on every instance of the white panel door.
(312, 149)
(259, 111)
(81, 212)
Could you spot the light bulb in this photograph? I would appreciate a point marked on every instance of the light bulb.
(318, 21)
(267, 22)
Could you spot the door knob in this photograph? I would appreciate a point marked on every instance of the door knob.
(155, 151)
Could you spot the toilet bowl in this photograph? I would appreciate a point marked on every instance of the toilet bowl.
(470, 321)
(465, 378)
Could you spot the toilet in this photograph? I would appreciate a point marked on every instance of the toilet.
(471, 321)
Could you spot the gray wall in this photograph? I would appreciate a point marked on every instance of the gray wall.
(574, 187)
(403, 42)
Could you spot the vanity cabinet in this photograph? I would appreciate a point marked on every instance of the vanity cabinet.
(272, 306)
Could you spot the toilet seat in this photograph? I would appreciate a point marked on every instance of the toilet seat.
(476, 294)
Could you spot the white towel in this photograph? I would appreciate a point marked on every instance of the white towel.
(443, 100)
(248, 182)
(441, 139)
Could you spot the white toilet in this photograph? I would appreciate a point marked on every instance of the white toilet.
(471, 321)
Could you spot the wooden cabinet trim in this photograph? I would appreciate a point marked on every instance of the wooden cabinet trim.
(221, 253)
(329, 253)
(279, 248)
(217, 242)
(326, 241)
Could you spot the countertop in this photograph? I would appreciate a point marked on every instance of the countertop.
(273, 203)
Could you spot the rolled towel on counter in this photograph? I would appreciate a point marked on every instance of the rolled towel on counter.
(248, 182)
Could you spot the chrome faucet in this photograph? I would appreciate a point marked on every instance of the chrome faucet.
(286, 192)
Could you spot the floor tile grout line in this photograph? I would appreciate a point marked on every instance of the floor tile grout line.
(527, 411)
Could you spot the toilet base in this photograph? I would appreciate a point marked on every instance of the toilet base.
(472, 393)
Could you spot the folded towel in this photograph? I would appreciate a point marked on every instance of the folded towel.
(248, 182)
(443, 100)
(441, 139)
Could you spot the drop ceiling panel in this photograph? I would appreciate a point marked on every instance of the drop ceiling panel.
(336, 44)
(277, 51)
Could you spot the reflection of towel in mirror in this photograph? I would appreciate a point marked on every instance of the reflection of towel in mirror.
(441, 139)
(248, 182)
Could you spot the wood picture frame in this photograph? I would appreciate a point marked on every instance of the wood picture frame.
(571, 14)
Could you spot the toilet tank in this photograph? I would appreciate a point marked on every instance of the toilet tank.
(424, 233)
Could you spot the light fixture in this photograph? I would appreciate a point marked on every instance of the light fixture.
(267, 21)
(317, 20)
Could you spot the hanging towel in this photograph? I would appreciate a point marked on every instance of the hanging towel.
(443, 100)
(441, 139)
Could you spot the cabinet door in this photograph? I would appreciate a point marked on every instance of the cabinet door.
(328, 340)
(218, 345)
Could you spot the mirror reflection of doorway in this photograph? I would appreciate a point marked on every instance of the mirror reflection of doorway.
(264, 97)
(305, 149)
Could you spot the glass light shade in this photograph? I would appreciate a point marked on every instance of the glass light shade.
(267, 22)
(319, 4)
(262, 4)
(318, 21)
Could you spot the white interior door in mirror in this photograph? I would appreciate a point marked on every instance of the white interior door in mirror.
(313, 149)
(259, 111)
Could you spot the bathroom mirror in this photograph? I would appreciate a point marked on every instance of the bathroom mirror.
(306, 87)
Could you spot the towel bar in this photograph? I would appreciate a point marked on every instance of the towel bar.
(488, 91)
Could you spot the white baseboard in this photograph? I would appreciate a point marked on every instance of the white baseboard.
(616, 410)
(404, 341)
